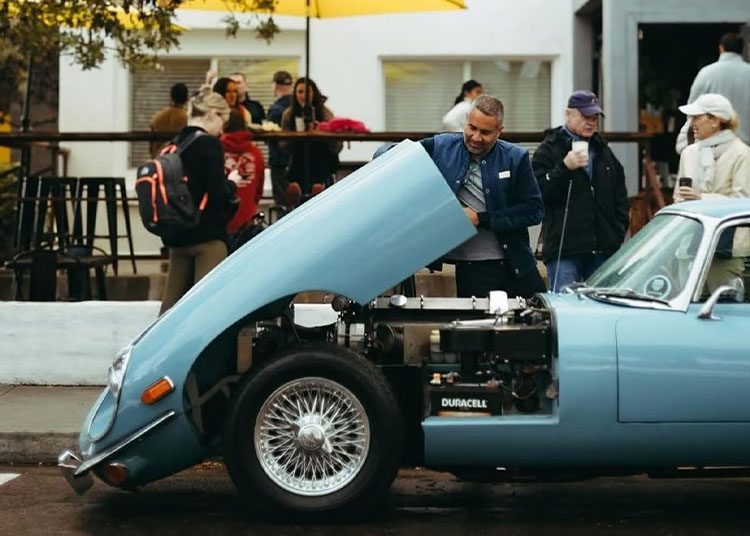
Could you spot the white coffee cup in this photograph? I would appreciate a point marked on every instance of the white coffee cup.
(580, 146)
(299, 124)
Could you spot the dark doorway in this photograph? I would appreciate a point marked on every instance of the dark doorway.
(669, 57)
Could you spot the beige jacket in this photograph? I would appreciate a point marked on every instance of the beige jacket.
(732, 175)
(169, 119)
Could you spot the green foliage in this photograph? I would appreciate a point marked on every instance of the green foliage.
(37, 32)
(261, 12)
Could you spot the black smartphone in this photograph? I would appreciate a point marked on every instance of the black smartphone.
(686, 181)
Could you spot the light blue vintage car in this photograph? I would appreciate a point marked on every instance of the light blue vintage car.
(643, 369)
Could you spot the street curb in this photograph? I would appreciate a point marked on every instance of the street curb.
(34, 448)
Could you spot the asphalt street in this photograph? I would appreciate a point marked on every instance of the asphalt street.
(203, 501)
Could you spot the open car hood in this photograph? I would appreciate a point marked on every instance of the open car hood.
(358, 238)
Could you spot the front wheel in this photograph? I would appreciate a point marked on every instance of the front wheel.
(316, 429)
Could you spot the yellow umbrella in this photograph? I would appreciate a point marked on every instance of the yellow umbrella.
(333, 8)
(328, 9)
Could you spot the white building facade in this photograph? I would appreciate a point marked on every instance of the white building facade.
(414, 62)
(394, 72)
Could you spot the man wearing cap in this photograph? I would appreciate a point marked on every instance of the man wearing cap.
(729, 76)
(494, 183)
(583, 186)
(278, 159)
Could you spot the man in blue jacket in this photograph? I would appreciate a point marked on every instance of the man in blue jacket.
(494, 182)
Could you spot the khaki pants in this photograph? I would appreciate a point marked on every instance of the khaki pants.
(722, 271)
(187, 265)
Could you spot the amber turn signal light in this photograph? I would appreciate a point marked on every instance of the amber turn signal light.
(114, 474)
(157, 390)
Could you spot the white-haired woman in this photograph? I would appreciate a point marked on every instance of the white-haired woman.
(718, 163)
(195, 253)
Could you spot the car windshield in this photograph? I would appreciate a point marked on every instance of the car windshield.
(654, 264)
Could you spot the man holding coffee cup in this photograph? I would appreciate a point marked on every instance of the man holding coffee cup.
(585, 198)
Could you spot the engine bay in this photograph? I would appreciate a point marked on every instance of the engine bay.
(478, 356)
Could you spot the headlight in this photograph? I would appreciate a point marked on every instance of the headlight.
(116, 372)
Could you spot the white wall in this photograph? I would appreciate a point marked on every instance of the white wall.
(67, 343)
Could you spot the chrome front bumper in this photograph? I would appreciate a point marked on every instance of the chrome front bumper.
(76, 471)
(69, 464)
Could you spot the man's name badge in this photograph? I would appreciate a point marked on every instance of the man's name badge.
(504, 174)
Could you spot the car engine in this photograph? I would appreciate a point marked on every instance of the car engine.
(478, 356)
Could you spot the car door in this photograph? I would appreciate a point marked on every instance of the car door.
(677, 367)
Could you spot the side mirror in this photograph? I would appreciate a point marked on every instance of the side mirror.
(735, 289)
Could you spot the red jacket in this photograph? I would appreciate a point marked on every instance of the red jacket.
(242, 154)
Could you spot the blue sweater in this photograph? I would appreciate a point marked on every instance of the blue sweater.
(511, 192)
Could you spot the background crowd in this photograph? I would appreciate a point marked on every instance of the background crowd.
(574, 184)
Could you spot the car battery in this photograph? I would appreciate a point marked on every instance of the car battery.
(465, 400)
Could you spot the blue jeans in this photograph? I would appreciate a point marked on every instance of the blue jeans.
(572, 269)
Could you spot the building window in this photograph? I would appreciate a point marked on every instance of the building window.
(419, 93)
(150, 93)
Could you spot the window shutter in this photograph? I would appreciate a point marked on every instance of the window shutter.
(419, 93)
(524, 88)
(150, 93)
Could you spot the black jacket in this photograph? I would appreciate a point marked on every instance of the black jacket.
(598, 211)
(277, 157)
(203, 163)
(257, 113)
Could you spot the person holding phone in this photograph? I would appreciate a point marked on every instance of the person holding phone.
(718, 163)
(196, 252)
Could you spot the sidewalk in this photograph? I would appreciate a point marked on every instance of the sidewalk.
(38, 422)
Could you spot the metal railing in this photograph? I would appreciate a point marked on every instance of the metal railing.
(20, 140)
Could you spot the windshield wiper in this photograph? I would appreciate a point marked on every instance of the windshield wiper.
(577, 286)
(623, 293)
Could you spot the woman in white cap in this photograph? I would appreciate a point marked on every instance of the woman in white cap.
(719, 165)
(718, 162)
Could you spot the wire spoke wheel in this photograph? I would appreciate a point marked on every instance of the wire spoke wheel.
(312, 436)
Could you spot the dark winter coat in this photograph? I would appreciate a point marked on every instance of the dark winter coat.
(276, 157)
(598, 212)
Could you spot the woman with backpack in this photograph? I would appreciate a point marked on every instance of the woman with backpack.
(196, 251)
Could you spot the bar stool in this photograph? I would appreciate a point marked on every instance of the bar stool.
(61, 193)
(88, 191)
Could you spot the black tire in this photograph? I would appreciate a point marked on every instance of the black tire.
(313, 365)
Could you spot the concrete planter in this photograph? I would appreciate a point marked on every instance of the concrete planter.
(55, 343)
